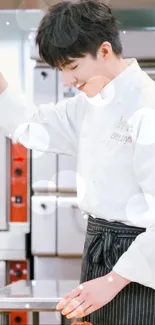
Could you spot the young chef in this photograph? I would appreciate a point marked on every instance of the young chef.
(110, 126)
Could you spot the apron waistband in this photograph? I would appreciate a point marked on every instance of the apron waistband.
(96, 225)
(107, 238)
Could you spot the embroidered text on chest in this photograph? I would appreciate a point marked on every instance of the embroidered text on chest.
(122, 132)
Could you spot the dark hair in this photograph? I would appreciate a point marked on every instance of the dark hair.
(74, 29)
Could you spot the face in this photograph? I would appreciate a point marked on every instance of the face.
(79, 72)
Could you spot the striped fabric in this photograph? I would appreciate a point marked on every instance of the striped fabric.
(105, 243)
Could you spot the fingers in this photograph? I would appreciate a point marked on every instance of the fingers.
(65, 301)
(79, 311)
(73, 305)
(88, 311)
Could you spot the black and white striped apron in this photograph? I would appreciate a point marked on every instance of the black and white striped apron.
(105, 243)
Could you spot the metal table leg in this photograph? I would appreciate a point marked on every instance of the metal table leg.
(65, 321)
(35, 318)
(4, 318)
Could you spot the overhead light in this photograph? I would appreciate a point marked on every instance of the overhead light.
(124, 32)
(7, 23)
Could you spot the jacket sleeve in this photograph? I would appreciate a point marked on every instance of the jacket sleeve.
(138, 263)
(50, 127)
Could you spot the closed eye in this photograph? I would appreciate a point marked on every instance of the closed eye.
(73, 68)
(70, 68)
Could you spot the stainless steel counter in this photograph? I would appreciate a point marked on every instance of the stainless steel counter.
(34, 296)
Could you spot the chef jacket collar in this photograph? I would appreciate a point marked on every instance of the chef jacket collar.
(118, 86)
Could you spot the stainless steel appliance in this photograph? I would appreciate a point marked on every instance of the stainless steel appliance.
(12, 239)
(14, 262)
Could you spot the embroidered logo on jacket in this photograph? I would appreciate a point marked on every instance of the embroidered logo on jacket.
(123, 132)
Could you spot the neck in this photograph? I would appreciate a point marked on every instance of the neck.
(117, 66)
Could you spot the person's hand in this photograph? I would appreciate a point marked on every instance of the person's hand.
(94, 85)
(92, 295)
(3, 84)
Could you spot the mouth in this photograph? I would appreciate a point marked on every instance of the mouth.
(80, 86)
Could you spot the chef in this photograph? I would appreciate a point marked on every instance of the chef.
(110, 127)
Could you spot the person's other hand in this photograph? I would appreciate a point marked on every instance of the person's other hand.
(3, 83)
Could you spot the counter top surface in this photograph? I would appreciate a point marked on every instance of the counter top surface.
(40, 295)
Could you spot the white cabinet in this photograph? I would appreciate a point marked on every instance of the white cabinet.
(67, 166)
(44, 85)
(57, 268)
(2, 274)
(71, 227)
(44, 172)
(43, 225)
(44, 166)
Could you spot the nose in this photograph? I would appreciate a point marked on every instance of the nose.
(68, 78)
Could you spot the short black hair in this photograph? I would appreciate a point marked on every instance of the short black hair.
(74, 29)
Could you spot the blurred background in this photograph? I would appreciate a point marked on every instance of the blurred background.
(41, 229)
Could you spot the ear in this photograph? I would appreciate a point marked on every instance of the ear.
(105, 50)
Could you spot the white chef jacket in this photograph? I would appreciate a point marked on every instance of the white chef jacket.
(113, 136)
